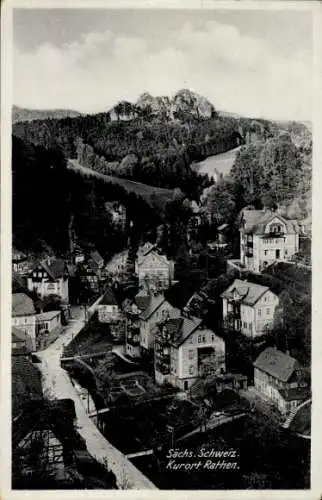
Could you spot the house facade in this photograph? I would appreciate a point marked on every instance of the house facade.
(19, 260)
(48, 322)
(266, 237)
(181, 346)
(108, 309)
(154, 269)
(50, 277)
(280, 378)
(157, 310)
(23, 317)
(249, 308)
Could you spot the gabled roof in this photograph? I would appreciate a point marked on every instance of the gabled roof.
(142, 300)
(256, 221)
(179, 329)
(108, 299)
(277, 364)
(22, 305)
(154, 304)
(249, 293)
(159, 257)
(56, 268)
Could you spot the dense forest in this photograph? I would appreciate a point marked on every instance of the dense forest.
(265, 174)
(47, 196)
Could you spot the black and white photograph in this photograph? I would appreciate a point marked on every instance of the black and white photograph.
(160, 269)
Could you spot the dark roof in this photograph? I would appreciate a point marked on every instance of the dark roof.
(109, 298)
(142, 300)
(26, 382)
(179, 294)
(18, 283)
(295, 394)
(22, 305)
(154, 304)
(179, 329)
(249, 293)
(56, 268)
(256, 221)
(276, 363)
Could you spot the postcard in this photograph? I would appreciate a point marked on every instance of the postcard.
(160, 171)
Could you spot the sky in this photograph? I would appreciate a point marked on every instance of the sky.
(255, 63)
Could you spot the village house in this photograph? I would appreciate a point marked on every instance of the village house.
(249, 308)
(153, 268)
(89, 276)
(181, 345)
(156, 311)
(19, 260)
(78, 255)
(132, 310)
(50, 277)
(23, 317)
(280, 378)
(108, 310)
(266, 237)
(47, 322)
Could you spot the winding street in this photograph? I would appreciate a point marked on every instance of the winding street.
(57, 385)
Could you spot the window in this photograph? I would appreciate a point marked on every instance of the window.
(267, 311)
(199, 339)
(191, 370)
(191, 353)
(265, 252)
(245, 324)
(212, 338)
(250, 326)
(259, 312)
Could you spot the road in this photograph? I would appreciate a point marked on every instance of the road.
(58, 385)
(221, 163)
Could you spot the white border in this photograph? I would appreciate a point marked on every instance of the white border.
(6, 100)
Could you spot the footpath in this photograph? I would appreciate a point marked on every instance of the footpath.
(57, 385)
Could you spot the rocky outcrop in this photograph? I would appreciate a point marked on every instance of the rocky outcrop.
(184, 104)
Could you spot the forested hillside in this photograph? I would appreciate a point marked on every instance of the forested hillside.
(47, 196)
(162, 146)
(265, 174)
